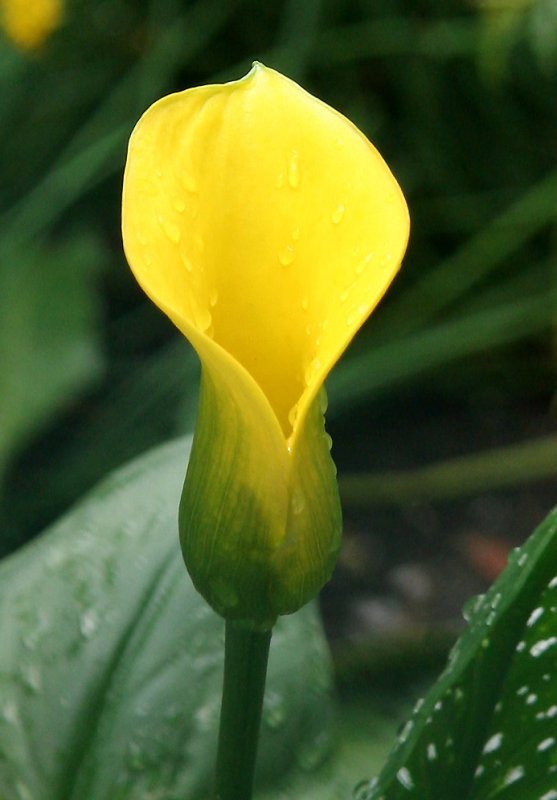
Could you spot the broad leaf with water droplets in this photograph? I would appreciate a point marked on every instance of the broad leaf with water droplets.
(111, 663)
(488, 728)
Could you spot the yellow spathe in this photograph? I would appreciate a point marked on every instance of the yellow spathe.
(29, 22)
(267, 227)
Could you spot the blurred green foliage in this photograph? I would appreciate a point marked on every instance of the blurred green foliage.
(458, 96)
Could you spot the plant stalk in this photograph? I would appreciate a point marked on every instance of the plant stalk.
(245, 670)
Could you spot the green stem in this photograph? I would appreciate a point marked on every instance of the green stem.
(245, 670)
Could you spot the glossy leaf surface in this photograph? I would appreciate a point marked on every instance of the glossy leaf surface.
(488, 728)
(111, 663)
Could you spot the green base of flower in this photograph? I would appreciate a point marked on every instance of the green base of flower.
(245, 671)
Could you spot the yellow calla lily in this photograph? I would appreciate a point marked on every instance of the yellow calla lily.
(267, 227)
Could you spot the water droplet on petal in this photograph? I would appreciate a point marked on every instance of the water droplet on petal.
(298, 502)
(171, 230)
(344, 295)
(356, 315)
(179, 205)
(364, 264)
(189, 182)
(292, 414)
(296, 233)
(287, 255)
(338, 214)
(311, 371)
(213, 298)
(203, 319)
(294, 170)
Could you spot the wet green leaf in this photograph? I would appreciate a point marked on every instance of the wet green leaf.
(488, 728)
(111, 663)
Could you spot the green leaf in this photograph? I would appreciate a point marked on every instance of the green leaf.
(49, 347)
(488, 728)
(111, 663)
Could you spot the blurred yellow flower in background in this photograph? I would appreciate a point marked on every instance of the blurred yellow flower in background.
(267, 227)
(29, 22)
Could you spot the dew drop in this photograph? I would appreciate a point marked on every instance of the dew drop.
(171, 230)
(224, 592)
(493, 743)
(312, 369)
(344, 295)
(203, 319)
(88, 623)
(287, 255)
(539, 648)
(296, 233)
(338, 214)
(546, 744)
(471, 606)
(310, 754)
(274, 711)
(534, 616)
(179, 205)
(9, 713)
(513, 775)
(298, 502)
(294, 170)
(356, 315)
(364, 790)
(292, 414)
(23, 792)
(328, 441)
(364, 264)
(31, 677)
(189, 183)
(213, 298)
(404, 777)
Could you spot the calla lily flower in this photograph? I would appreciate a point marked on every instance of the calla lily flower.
(267, 227)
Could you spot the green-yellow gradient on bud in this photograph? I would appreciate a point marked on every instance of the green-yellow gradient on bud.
(267, 227)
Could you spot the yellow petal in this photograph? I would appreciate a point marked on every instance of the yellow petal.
(265, 219)
(267, 227)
